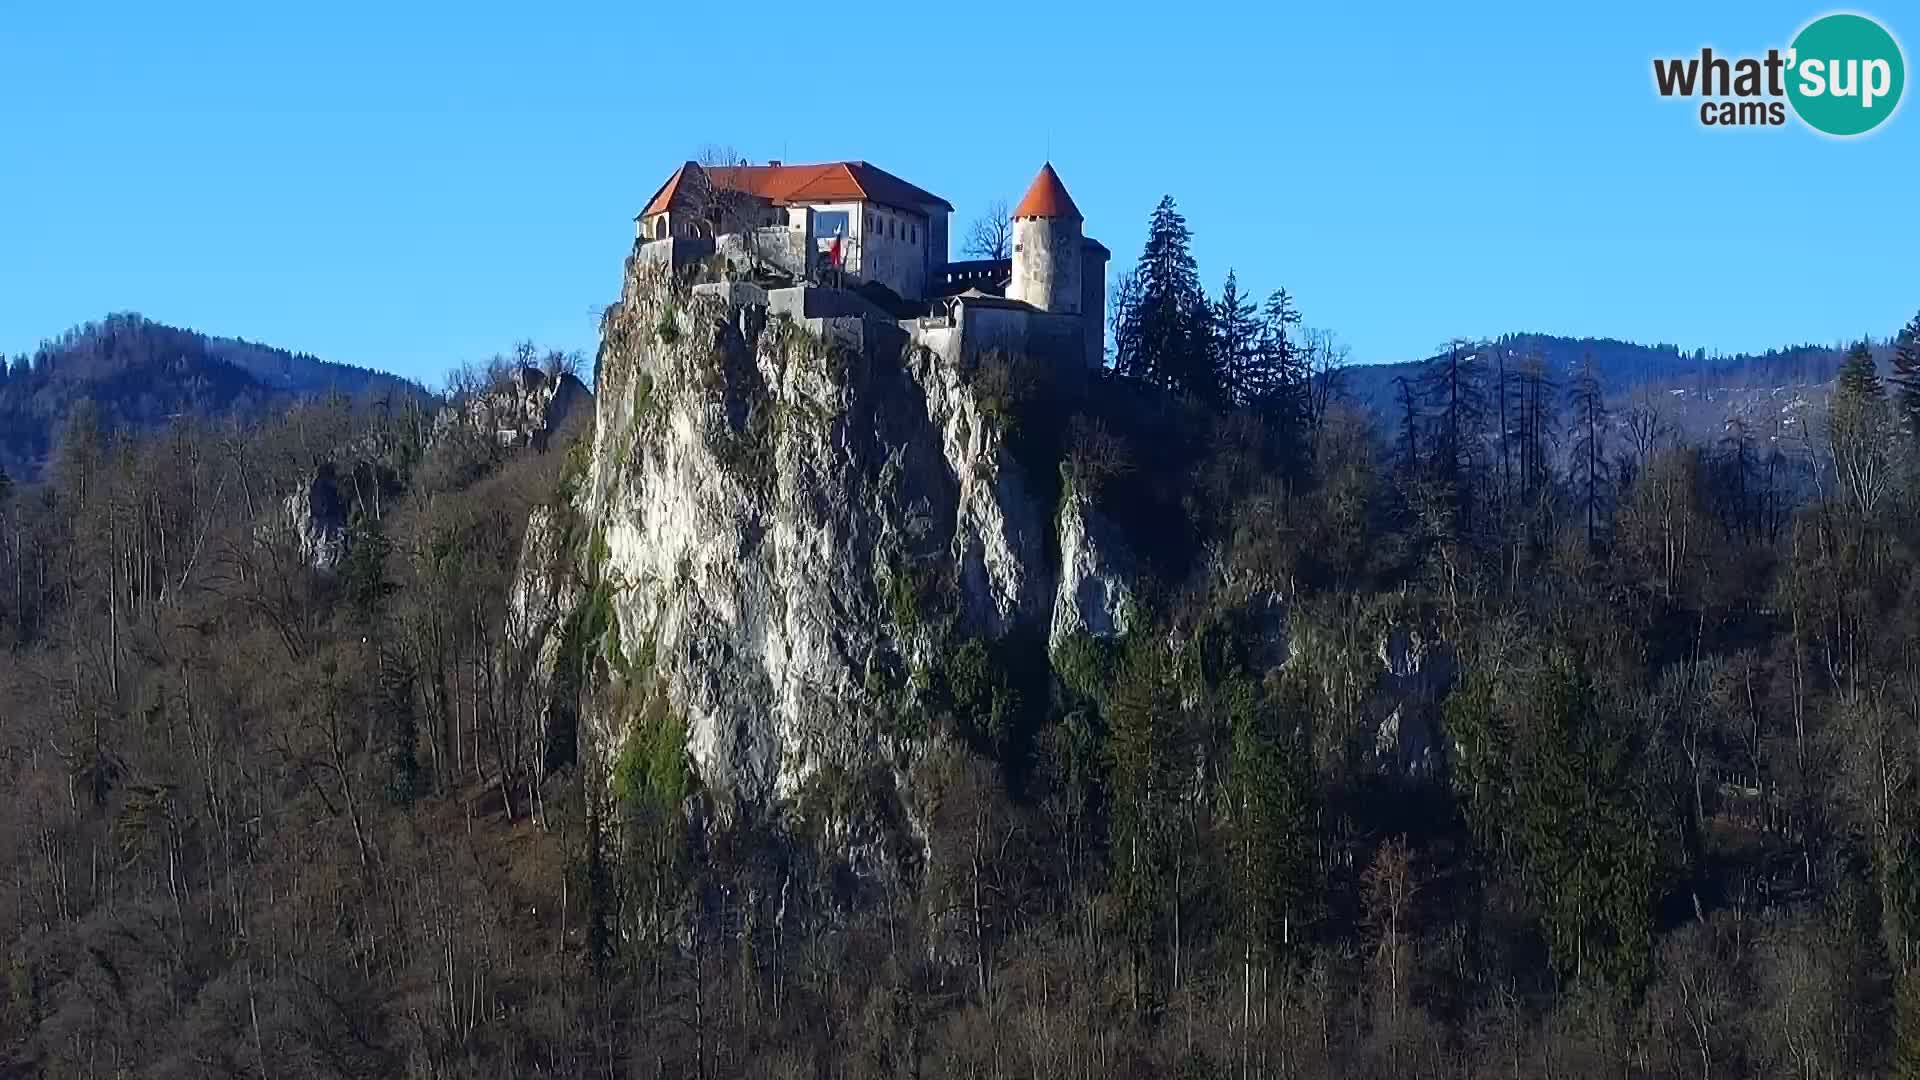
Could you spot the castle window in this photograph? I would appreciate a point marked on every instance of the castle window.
(828, 223)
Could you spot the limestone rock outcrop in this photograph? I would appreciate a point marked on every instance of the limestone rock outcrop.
(1096, 573)
(317, 517)
(525, 409)
(1415, 674)
(790, 514)
(318, 512)
(540, 600)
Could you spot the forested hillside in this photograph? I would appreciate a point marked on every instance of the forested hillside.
(1705, 398)
(1624, 365)
(140, 374)
(1488, 738)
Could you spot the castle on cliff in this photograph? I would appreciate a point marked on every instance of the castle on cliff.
(849, 226)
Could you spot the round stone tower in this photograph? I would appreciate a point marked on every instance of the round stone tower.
(1047, 259)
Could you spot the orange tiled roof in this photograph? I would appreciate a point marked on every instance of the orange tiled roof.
(1047, 198)
(834, 181)
(663, 198)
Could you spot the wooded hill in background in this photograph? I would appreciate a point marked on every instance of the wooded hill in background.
(1699, 394)
(140, 373)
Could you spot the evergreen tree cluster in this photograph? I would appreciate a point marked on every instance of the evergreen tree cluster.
(1235, 350)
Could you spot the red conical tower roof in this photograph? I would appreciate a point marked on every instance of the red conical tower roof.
(1047, 198)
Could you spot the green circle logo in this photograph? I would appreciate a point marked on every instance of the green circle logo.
(1845, 74)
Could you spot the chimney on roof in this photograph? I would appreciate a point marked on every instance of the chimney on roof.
(775, 162)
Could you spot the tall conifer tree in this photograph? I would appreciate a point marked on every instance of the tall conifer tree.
(1237, 338)
(1906, 375)
(1279, 383)
(1165, 338)
(1591, 469)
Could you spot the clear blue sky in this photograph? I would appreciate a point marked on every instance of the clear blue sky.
(407, 185)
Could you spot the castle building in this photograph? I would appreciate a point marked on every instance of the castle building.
(853, 224)
(889, 230)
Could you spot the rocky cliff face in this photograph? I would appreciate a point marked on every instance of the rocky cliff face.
(317, 517)
(1416, 672)
(540, 603)
(524, 409)
(1095, 594)
(319, 511)
(780, 523)
(788, 516)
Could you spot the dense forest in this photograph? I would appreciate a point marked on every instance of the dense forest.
(270, 822)
(139, 374)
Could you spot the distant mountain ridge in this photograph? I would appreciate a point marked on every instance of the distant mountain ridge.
(141, 373)
(1622, 365)
(1699, 393)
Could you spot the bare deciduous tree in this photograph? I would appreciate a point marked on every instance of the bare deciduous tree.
(1123, 295)
(991, 234)
(1326, 362)
(715, 194)
(1388, 887)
